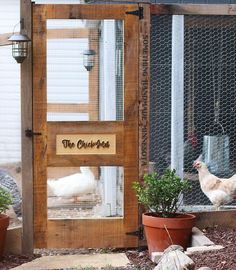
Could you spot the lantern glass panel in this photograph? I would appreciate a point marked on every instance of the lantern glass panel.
(19, 49)
(88, 61)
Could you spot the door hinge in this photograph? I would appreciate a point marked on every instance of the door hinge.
(138, 233)
(138, 12)
(30, 133)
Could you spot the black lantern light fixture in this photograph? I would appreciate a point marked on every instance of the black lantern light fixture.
(89, 59)
(19, 47)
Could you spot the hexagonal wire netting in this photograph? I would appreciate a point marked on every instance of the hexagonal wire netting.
(209, 96)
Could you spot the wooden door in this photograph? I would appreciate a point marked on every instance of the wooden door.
(85, 120)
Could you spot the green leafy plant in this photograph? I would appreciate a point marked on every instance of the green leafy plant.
(161, 194)
(5, 200)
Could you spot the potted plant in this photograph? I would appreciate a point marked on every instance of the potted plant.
(5, 202)
(163, 225)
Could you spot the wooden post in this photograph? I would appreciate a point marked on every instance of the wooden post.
(144, 90)
(26, 123)
(144, 98)
(4, 39)
(177, 95)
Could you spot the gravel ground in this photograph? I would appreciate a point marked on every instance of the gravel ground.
(217, 260)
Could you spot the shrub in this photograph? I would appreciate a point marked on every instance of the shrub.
(161, 194)
(5, 200)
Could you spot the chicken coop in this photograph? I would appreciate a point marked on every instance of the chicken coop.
(198, 121)
(108, 91)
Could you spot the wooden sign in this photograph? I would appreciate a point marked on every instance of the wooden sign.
(86, 144)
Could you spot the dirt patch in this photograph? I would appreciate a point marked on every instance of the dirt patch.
(11, 261)
(224, 259)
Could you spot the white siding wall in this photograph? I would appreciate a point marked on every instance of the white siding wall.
(65, 86)
(67, 78)
(9, 15)
(10, 143)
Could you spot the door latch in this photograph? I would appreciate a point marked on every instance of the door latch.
(30, 133)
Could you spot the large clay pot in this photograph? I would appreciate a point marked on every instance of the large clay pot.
(162, 232)
(4, 223)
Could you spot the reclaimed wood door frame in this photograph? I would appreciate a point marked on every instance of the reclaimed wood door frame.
(102, 232)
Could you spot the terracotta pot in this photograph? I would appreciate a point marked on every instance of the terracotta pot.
(4, 223)
(162, 232)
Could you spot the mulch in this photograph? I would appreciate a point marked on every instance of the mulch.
(11, 261)
(224, 259)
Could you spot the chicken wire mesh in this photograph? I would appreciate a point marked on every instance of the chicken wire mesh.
(209, 96)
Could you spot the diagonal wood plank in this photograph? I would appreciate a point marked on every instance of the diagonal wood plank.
(4, 39)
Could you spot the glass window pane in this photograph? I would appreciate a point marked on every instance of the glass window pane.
(85, 192)
(84, 70)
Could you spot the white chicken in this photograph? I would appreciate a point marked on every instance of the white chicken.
(219, 190)
(73, 185)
